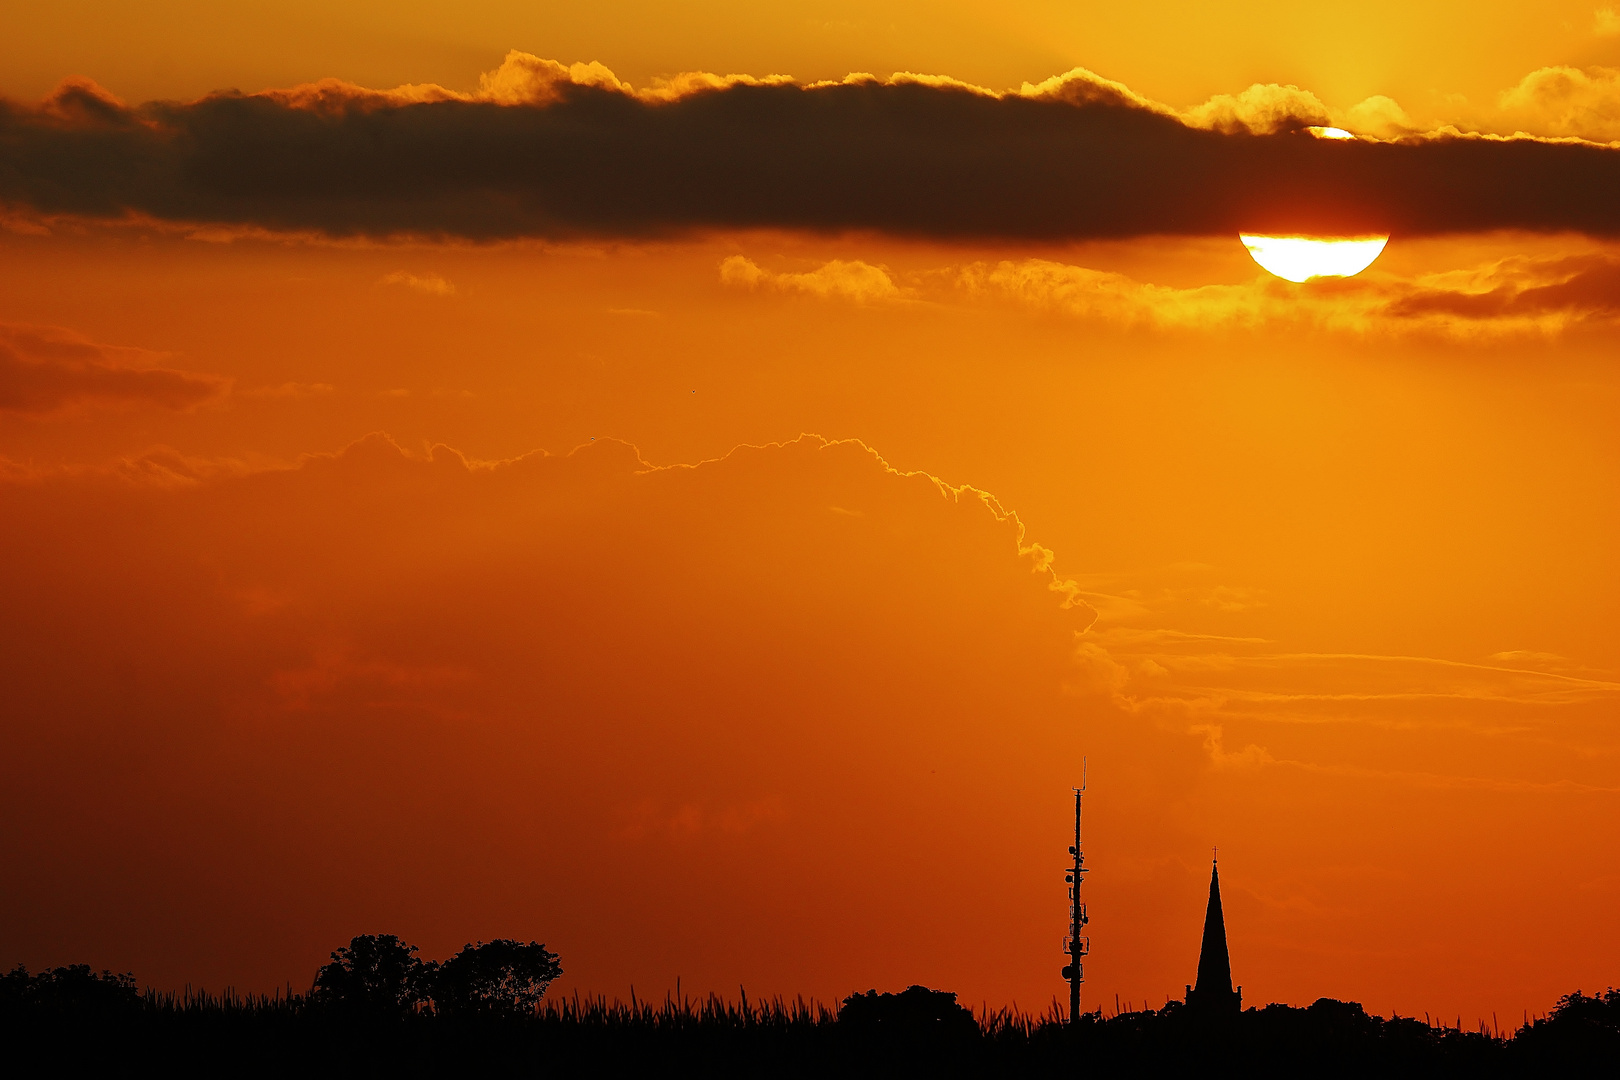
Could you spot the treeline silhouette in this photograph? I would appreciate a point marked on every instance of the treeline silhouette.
(377, 1009)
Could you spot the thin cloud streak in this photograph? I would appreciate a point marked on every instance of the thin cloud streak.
(46, 370)
(1440, 780)
(1514, 296)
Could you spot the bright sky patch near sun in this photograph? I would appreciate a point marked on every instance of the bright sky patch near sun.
(1300, 258)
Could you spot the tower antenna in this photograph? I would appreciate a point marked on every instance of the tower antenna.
(1076, 945)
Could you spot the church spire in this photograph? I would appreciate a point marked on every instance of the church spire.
(1213, 992)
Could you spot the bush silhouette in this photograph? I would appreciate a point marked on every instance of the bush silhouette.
(500, 977)
(916, 1012)
(74, 989)
(377, 975)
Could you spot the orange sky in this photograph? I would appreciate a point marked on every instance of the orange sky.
(1179, 51)
(459, 590)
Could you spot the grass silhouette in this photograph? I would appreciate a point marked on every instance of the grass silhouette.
(74, 1020)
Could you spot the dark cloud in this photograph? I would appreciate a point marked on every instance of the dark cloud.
(907, 157)
(46, 370)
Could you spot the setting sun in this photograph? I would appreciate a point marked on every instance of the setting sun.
(1300, 258)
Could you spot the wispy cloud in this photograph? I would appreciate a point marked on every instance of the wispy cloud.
(851, 280)
(46, 370)
(1514, 296)
(429, 284)
(291, 390)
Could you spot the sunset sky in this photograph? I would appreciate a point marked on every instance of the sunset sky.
(691, 483)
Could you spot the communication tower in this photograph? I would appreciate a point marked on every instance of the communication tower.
(1077, 946)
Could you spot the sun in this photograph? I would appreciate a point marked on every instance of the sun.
(1300, 258)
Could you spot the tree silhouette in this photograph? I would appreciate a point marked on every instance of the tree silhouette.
(376, 975)
(1581, 1028)
(501, 976)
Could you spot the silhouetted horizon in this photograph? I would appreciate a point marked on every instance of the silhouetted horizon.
(381, 1023)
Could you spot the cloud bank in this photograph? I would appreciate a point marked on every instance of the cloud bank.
(546, 151)
(458, 697)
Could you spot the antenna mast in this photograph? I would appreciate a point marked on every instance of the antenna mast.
(1076, 945)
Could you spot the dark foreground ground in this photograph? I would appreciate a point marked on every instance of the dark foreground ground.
(76, 1025)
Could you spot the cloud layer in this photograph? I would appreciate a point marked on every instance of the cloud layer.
(543, 150)
(1517, 295)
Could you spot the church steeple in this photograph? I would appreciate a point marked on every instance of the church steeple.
(1213, 992)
